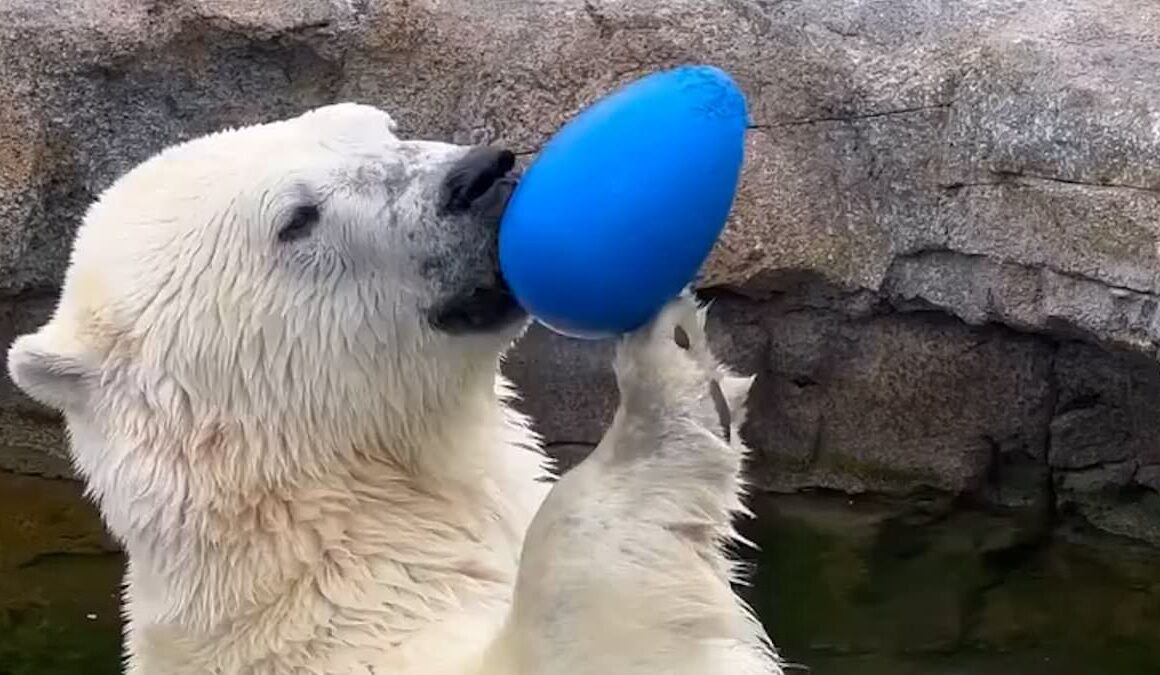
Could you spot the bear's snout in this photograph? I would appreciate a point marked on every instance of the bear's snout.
(480, 180)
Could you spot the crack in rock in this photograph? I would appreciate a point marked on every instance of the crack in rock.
(850, 118)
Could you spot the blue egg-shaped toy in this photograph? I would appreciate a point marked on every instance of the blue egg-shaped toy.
(623, 205)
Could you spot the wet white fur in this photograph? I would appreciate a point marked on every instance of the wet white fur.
(308, 479)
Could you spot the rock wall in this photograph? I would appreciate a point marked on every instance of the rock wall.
(943, 263)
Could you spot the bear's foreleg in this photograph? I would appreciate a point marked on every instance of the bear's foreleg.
(624, 568)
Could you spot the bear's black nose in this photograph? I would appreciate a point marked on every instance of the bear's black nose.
(473, 176)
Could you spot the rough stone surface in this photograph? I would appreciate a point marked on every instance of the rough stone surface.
(889, 403)
(945, 243)
(1105, 441)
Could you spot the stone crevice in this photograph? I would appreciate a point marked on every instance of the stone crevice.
(850, 118)
(1030, 297)
(819, 417)
(1012, 179)
(919, 253)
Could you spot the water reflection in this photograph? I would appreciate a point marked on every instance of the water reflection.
(862, 587)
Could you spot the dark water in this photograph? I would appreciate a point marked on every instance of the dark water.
(59, 579)
(846, 588)
(868, 587)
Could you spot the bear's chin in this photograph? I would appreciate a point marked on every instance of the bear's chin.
(479, 310)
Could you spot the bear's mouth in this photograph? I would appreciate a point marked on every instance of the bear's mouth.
(482, 309)
(489, 306)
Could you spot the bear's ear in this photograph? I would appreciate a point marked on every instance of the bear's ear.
(49, 373)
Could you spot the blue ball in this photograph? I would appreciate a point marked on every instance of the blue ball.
(624, 204)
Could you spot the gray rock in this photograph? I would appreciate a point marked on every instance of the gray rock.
(1105, 410)
(1087, 437)
(888, 404)
(996, 161)
(995, 128)
(1148, 476)
(566, 385)
(1079, 486)
(1105, 441)
(979, 290)
(1096, 495)
(894, 403)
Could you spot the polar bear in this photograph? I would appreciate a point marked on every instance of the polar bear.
(276, 350)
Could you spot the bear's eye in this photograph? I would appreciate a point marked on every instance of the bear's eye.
(301, 222)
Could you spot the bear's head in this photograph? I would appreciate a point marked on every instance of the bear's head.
(272, 297)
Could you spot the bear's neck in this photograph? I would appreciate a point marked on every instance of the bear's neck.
(369, 540)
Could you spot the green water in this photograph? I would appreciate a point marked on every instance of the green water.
(59, 578)
(865, 587)
(874, 588)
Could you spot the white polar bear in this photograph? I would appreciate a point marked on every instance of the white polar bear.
(277, 349)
